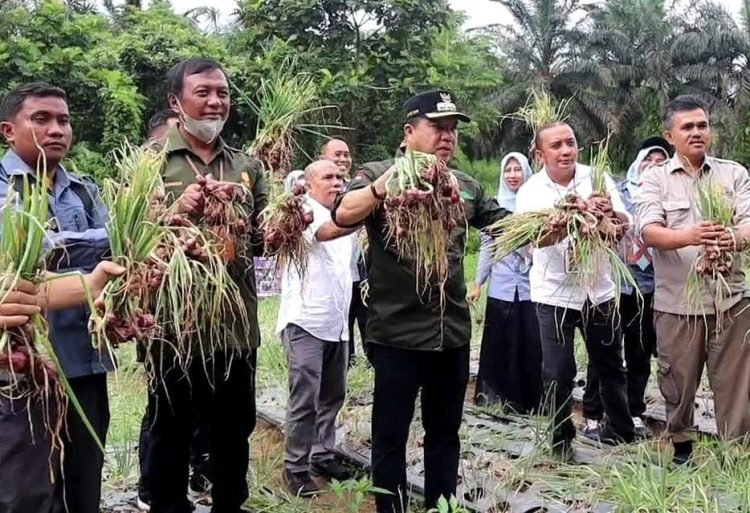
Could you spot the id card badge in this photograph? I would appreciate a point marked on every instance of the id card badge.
(570, 261)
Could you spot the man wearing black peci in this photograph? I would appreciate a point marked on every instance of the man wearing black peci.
(415, 342)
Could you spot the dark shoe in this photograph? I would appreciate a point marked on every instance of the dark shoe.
(199, 484)
(683, 453)
(610, 437)
(199, 490)
(330, 469)
(300, 484)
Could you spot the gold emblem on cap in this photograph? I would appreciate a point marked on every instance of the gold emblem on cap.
(446, 97)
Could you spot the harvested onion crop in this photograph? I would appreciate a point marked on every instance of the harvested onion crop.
(713, 266)
(28, 361)
(423, 205)
(176, 290)
(283, 223)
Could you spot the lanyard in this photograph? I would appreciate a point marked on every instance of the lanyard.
(198, 173)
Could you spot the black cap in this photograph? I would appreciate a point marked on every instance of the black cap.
(433, 105)
(658, 142)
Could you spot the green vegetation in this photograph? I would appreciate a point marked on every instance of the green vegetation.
(613, 65)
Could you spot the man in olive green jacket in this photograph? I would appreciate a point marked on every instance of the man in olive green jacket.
(224, 389)
(416, 342)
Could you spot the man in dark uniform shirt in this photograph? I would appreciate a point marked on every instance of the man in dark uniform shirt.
(416, 343)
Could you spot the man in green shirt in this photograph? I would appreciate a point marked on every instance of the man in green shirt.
(222, 389)
(416, 342)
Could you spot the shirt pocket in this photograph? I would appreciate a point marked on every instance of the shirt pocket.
(677, 213)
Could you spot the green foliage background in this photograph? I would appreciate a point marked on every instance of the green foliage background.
(619, 61)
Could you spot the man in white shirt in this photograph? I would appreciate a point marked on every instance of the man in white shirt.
(564, 304)
(313, 323)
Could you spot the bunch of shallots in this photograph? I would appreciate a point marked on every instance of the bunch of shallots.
(422, 207)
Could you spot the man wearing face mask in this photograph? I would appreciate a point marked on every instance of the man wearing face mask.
(199, 93)
(415, 342)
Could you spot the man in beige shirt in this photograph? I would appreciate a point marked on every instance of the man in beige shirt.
(688, 335)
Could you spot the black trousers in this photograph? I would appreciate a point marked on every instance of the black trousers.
(222, 390)
(600, 327)
(639, 339)
(82, 459)
(26, 459)
(200, 448)
(442, 377)
(510, 361)
(358, 315)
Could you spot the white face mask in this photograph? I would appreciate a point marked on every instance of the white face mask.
(206, 130)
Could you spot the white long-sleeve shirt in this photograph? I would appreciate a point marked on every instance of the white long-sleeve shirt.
(320, 303)
(550, 283)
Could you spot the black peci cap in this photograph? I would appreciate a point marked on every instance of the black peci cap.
(433, 105)
(658, 142)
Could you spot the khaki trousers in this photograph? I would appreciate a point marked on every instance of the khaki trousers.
(687, 343)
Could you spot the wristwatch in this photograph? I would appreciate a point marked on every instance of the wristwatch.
(375, 193)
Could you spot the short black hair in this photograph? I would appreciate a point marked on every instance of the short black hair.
(682, 103)
(552, 124)
(12, 103)
(176, 75)
(160, 118)
(330, 140)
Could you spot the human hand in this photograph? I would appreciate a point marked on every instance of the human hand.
(191, 200)
(730, 240)
(705, 233)
(474, 294)
(102, 274)
(382, 181)
(601, 203)
(18, 305)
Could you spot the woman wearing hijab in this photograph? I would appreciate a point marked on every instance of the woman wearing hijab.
(637, 320)
(510, 362)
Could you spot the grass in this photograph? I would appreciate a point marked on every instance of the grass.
(127, 390)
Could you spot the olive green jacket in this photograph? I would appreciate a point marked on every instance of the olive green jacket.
(239, 168)
(397, 315)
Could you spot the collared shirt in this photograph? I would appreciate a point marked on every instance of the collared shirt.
(550, 283)
(634, 251)
(508, 277)
(237, 167)
(668, 196)
(399, 316)
(84, 242)
(319, 303)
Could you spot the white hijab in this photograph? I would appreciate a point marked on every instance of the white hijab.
(633, 171)
(505, 196)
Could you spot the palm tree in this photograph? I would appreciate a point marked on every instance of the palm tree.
(209, 14)
(541, 48)
(644, 56)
